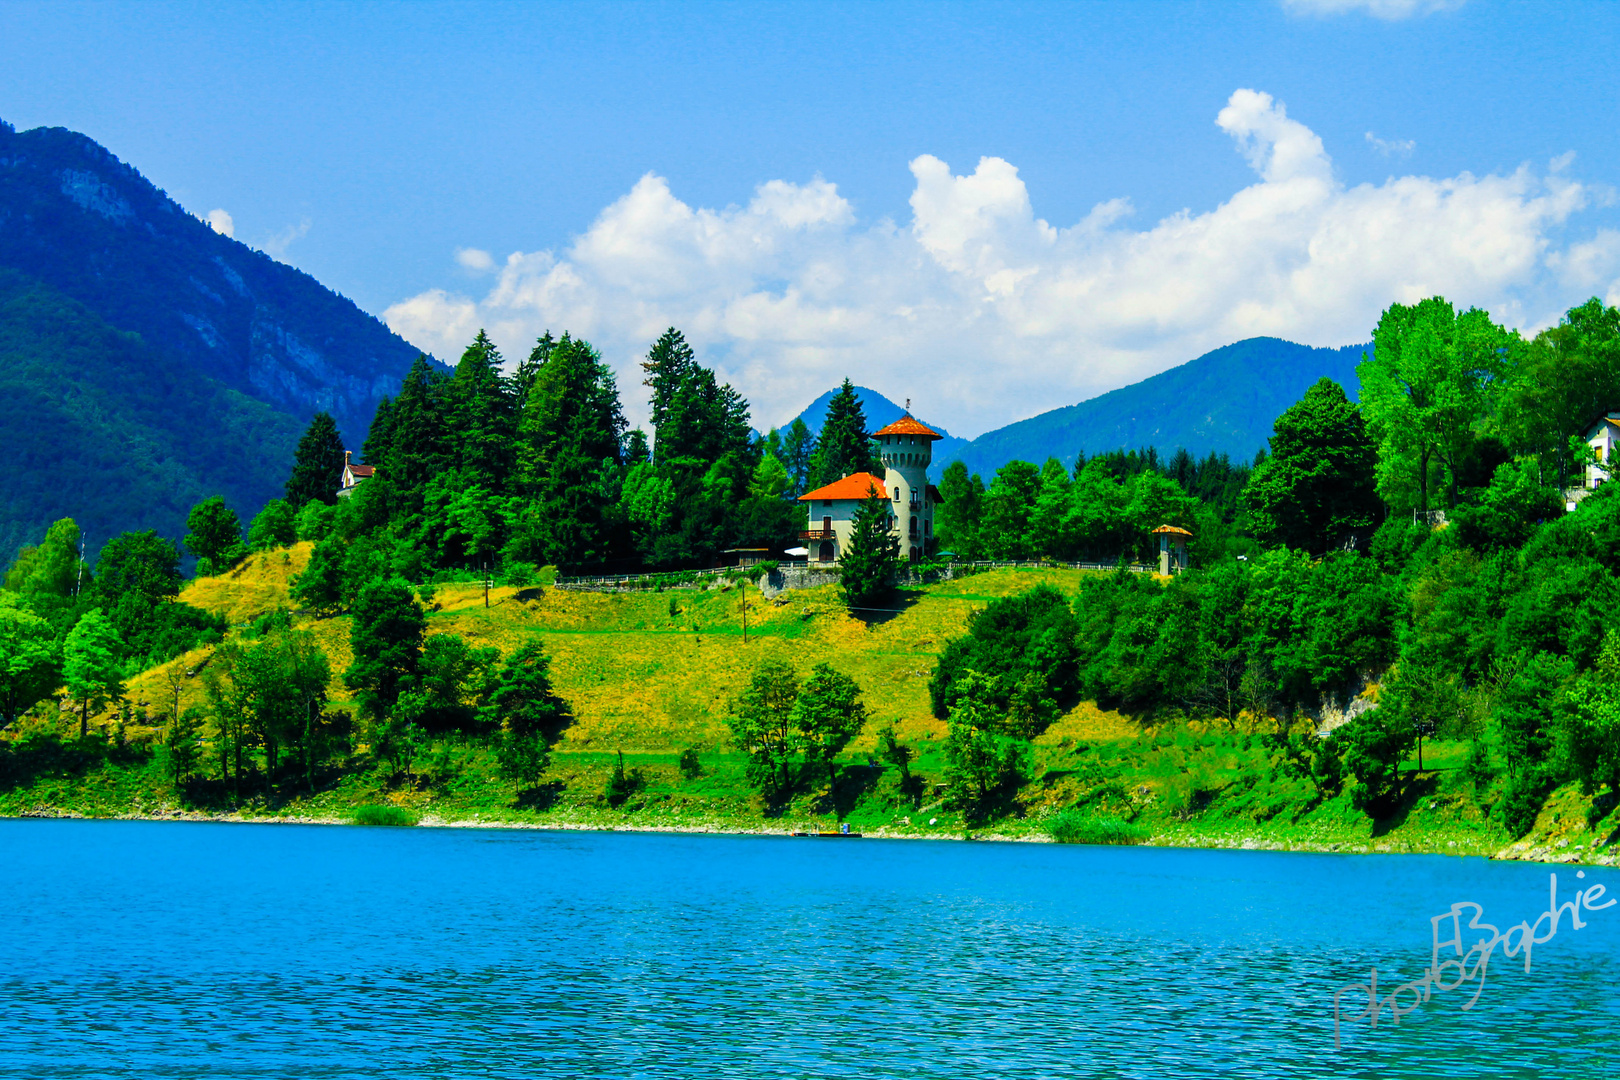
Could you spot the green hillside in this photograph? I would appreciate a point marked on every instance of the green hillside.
(92, 227)
(102, 428)
(653, 675)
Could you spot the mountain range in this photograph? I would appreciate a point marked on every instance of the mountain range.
(225, 353)
(146, 362)
(1223, 402)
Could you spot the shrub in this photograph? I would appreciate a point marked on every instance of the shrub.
(519, 574)
(383, 815)
(621, 784)
(1073, 827)
(691, 767)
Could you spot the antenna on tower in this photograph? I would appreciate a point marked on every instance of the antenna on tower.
(908, 406)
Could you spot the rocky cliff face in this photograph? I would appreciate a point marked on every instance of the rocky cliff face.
(75, 217)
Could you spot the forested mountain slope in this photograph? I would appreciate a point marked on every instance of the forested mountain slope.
(91, 227)
(101, 427)
(1222, 402)
(880, 412)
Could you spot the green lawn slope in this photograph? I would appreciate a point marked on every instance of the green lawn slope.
(650, 675)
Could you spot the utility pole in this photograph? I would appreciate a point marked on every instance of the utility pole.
(486, 583)
(79, 584)
(745, 609)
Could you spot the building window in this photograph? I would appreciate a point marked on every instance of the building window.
(928, 528)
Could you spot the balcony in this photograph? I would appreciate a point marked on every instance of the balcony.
(818, 534)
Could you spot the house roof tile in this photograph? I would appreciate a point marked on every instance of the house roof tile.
(908, 426)
(853, 486)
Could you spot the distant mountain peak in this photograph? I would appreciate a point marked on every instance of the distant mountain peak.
(91, 226)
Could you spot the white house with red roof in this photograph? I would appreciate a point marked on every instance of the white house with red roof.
(352, 475)
(906, 448)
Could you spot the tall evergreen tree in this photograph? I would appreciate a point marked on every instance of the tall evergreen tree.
(570, 432)
(529, 369)
(845, 446)
(482, 417)
(668, 363)
(798, 446)
(868, 565)
(317, 464)
(417, 442)
(379, 437)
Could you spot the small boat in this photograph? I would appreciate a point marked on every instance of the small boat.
(843, 832)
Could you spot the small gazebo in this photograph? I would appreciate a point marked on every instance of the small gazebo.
(1172, 548)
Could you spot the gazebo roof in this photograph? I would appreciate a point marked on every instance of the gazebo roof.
(1173, 530)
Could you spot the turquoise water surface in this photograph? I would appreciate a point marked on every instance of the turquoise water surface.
(214, 950)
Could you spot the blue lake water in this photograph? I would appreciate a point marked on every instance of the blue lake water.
(192, 950)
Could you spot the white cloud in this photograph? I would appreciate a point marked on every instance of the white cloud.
(479, 262)
(276, 247)
(1378, 9)
(983, 313)
(220, 222)
(1391, 147)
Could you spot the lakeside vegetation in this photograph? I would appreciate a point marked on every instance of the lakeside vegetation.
(649, 695)
(1341, 667)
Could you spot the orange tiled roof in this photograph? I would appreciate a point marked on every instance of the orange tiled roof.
(853, 486)
(907, 426)
(1172, 529)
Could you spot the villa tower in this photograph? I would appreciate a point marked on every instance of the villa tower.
(906, 448)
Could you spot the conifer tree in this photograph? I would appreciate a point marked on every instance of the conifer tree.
(317, 464)
(417, 442)
(844, 447)
(572, 428)
(868, 566)
(668, 363)
(529, 369)
(798, 446)
(482, 417)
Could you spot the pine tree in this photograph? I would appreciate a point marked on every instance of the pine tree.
(417, 435)
(571, 429)
(482, 417)
(844, 447)
(317, 464)
(867, 567)
(529, 369)
(798, 447)
(379, 437)
(668, 363)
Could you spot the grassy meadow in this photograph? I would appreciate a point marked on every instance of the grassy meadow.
(650, 675)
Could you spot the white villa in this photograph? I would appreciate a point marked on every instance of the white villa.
(906, 448)
(1603, 436)
(353, 474)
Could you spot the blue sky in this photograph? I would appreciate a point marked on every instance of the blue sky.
(994, 209)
